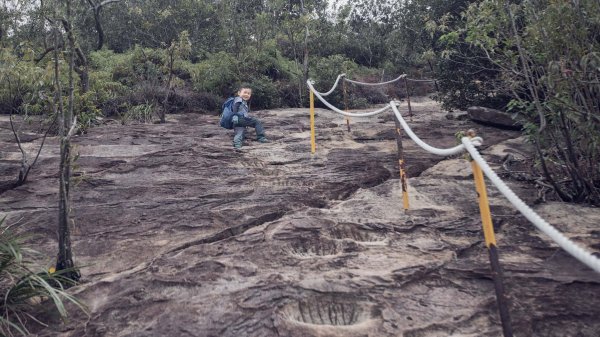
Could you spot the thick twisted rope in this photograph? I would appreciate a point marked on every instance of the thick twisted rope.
(333, 88)
(349, 114)
(440, 152)
(375, 84)
(469, 145)
(565, 243)
(420, 80)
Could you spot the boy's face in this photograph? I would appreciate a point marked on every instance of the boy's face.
(245, 93)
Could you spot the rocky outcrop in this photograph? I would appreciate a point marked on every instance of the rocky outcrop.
(492, 117)
(179, 235)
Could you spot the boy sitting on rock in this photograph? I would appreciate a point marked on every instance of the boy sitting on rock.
(242, 119)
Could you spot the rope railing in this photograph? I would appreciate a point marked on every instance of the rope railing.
(565, 243)
(375, 84)
(341, 112)
(334, 86)
(420, 80)
(468, 144)
(477, 141)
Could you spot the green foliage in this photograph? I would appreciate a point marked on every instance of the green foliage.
(142, 113)
(26, 286)
(546, 56)
(86, 110)
(265, 94)
(23, 85)
(325, 72)
(217, 74)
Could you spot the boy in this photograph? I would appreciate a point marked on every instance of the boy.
(242, 119)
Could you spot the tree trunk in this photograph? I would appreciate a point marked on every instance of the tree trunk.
(82, 63)
(306, 35)
(65, 255)
(99, 28)
(165, 103)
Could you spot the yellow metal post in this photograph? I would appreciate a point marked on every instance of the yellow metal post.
(404, 185)
(313, 145)
(484, 206)
(400, 157)
(490, 242)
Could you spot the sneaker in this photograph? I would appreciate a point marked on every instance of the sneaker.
(263, 140)
(237, 146)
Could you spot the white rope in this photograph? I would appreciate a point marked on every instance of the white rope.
(441, 152)
(422, 80)
(376, 84)
(571, 247)
(349, 114)
(469, 144)
(334, 86)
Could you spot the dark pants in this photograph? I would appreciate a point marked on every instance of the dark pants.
(240, 129)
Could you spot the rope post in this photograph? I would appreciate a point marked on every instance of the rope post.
(400, 157)
(490, 242)
(410, 114)
(313, 145)
(346, 105)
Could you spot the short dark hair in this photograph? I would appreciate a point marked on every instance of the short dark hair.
(244, 86)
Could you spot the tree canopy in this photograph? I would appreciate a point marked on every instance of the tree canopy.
(540, 59)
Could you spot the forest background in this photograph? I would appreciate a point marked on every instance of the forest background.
(138, 60)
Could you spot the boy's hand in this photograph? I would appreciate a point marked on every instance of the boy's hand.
(235, 120)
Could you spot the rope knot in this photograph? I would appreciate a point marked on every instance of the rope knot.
(476, 141)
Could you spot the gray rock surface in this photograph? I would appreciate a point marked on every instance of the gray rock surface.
(492, 117)
(179, 235)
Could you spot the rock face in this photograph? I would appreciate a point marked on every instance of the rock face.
(179, 235)
(492, 117)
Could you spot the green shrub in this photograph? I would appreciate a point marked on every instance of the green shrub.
(23, 283)
(202, 102)
(141, 113)
(290, 92)
(265, 94)
(23, 84)
(325, 72)
(86, 109)
(217, 74)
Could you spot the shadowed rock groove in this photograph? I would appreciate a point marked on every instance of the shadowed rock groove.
(349, 231)
(314, 247)
(328, 311)
(229, 232)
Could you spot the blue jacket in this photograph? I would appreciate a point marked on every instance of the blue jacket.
(240, 107)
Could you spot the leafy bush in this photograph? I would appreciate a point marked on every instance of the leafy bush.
(265, 94)
(548, 54)
(290, 92)
(141, 113)
(86, 109)
(22, 84)
(217, 74)
(204, 102)
(469, 79)
(325, 72)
